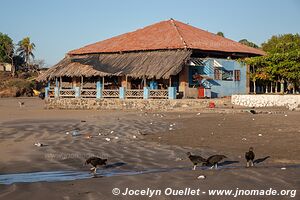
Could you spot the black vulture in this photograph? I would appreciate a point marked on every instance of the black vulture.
(195, 159)
(95, 161)
(250, 157)
(213, 160)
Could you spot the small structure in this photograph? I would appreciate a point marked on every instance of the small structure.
(5, 67)
(168, 59)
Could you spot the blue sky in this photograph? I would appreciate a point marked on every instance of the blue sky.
(58, 26)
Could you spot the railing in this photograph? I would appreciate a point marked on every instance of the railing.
(110, 93)
(92, 93)
(88, 93)
(134, 94)
(66, 85)
(51, 93)
(67, 93)
(158, 94)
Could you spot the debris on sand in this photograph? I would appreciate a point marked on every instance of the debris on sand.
(38, 144)
(201, 177)
(244, 139)
(141, 133)
(21, 104)
(107, 139)
(75, 133)
(283, 168)
(134, 136)
(88, 137)
(198, 113)
(253, 111)
(178, 159)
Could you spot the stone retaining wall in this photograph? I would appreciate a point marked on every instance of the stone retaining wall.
(131, 104)
(290, 101)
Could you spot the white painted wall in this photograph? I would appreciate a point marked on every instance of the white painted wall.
(290, 101)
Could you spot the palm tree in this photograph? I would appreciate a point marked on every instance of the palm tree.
(26, 49)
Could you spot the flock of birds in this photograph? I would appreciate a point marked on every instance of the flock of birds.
(195, 159)
(215, 159)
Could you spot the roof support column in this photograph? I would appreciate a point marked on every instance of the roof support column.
(56, 88)
(60, 82)
(98, 89)
(103, 82)
(145, 81)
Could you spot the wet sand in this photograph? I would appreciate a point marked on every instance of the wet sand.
(142, 141)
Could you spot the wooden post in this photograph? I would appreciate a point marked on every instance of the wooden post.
(81, 82)
(103, 82)
(60, 82)
(144, 79)
(170, 81)
(126, 81)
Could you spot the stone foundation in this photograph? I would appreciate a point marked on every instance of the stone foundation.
(290, 101)
(131, 104)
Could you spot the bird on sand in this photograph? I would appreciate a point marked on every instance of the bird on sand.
(195, 159)
(250, 157)
(213, 160)
(95, 162)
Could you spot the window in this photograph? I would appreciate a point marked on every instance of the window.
(227, 75)
(237, 75)
(217, 73)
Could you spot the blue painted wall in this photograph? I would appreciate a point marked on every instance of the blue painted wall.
(221, 88)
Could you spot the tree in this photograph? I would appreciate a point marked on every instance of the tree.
(220, 34)
(282, 62)
(7, 51)
(248, 43)
(25, 50)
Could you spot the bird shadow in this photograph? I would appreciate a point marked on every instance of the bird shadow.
(97, 176)
(114, 165)
(228, 162)
(259, 160)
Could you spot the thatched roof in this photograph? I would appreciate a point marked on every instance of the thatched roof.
(159, 64)
(170, 34)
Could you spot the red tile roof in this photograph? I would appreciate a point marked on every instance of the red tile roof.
(169, 34)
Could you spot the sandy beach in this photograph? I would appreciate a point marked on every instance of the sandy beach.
(147, 150)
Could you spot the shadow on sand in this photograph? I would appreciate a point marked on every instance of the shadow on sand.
(259, 160)
(114, 165)
(228, 162)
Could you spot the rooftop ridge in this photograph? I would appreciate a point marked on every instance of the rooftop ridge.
(168, 34)
(177, 31)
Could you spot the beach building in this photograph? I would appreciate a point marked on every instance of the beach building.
(6, 67)
(169, 59)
